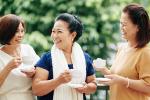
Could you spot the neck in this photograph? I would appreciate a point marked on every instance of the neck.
(132, 44)
(13, 50)
(68, 50)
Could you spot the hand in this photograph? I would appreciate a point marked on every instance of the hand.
(30, 73)
(115, 79)
(14, 63)
(82, 89)
(103, 70)
(65, 77)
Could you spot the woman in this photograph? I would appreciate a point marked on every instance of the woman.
(130, 72)
(52, 70)
(15, 58)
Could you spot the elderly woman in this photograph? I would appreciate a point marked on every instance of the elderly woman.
(130, 72)
(16, 60)
(52, 70)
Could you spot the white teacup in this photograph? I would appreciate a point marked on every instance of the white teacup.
(99, 63)
(76, 76)
(27, 60)
(27, 64)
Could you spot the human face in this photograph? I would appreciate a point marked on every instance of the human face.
(18, 35)
(61, 35)
(129, 30)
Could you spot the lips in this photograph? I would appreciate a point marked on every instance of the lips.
(57, 41)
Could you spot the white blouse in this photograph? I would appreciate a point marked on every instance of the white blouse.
(17, 86)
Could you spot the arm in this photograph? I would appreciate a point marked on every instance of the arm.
(42, 86)
(7, 69)
(138, 85)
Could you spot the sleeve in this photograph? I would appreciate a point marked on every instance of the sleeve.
(33, 54)
(144, 66)
(89, 67)
(45, 61)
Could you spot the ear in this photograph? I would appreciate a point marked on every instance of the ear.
(137, 28)
(73, 35)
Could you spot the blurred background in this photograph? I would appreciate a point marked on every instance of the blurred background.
(100, 19)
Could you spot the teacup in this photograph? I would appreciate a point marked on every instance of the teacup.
(76, 76)
(27, 60)
(99, 63)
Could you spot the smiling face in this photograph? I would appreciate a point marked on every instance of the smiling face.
(18, 35)
(61, 35)
(129, 30)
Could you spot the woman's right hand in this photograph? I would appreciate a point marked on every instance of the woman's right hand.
(14, 63)
(64, 77)
(103, 70)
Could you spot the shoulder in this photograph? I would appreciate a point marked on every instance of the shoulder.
(145, 51)
(121, 45)
(26, 46)
(47, 54)
(87, 56)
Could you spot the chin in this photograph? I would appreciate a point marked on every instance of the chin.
(59, 47)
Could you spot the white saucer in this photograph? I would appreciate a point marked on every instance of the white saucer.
(102, 79)
(75, 85)
(26, 69)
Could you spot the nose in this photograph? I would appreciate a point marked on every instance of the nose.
(20, 34)
(54, 35)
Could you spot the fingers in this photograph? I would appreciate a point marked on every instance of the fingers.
(82, 89)
(29, 74)
(17, 61)
(65, 77)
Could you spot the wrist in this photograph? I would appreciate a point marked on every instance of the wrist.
(128, 82)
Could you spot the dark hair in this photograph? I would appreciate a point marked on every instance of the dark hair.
(139, 17)
(75, 25)
(8, 27)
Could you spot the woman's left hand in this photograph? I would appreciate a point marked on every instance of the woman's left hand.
(83, 89)
(29, 74)
(115, 79)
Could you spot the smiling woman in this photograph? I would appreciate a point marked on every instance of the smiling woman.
(130, 72)
(14, 83)
(53, 69)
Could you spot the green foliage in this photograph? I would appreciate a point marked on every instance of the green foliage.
(100, 19)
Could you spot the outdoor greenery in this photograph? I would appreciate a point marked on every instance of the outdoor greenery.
(100, 19)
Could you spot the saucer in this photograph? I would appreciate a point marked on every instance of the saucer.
(75, 85)
(102, 79)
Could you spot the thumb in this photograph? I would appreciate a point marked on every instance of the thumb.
(108, 76)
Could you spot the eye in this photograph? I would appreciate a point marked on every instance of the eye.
(59, 31)
(22, 30)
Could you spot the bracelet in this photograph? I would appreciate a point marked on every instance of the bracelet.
(127, 83)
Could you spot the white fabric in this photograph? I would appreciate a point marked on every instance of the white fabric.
(17, 86)
(64, 92)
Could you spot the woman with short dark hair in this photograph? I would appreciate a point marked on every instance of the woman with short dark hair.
(16, 60)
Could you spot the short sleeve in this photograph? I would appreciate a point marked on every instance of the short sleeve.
(144, 66)
(33, 53)
(89, 67)
(45, 61)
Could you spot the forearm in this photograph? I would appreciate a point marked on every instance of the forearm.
(139, 85)
(43, 87)
(3, 74)
(91, 88)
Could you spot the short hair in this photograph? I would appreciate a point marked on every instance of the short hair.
(8, 27)
(75, 25)
(139, 17)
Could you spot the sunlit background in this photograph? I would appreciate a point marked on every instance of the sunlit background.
(100, 19)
